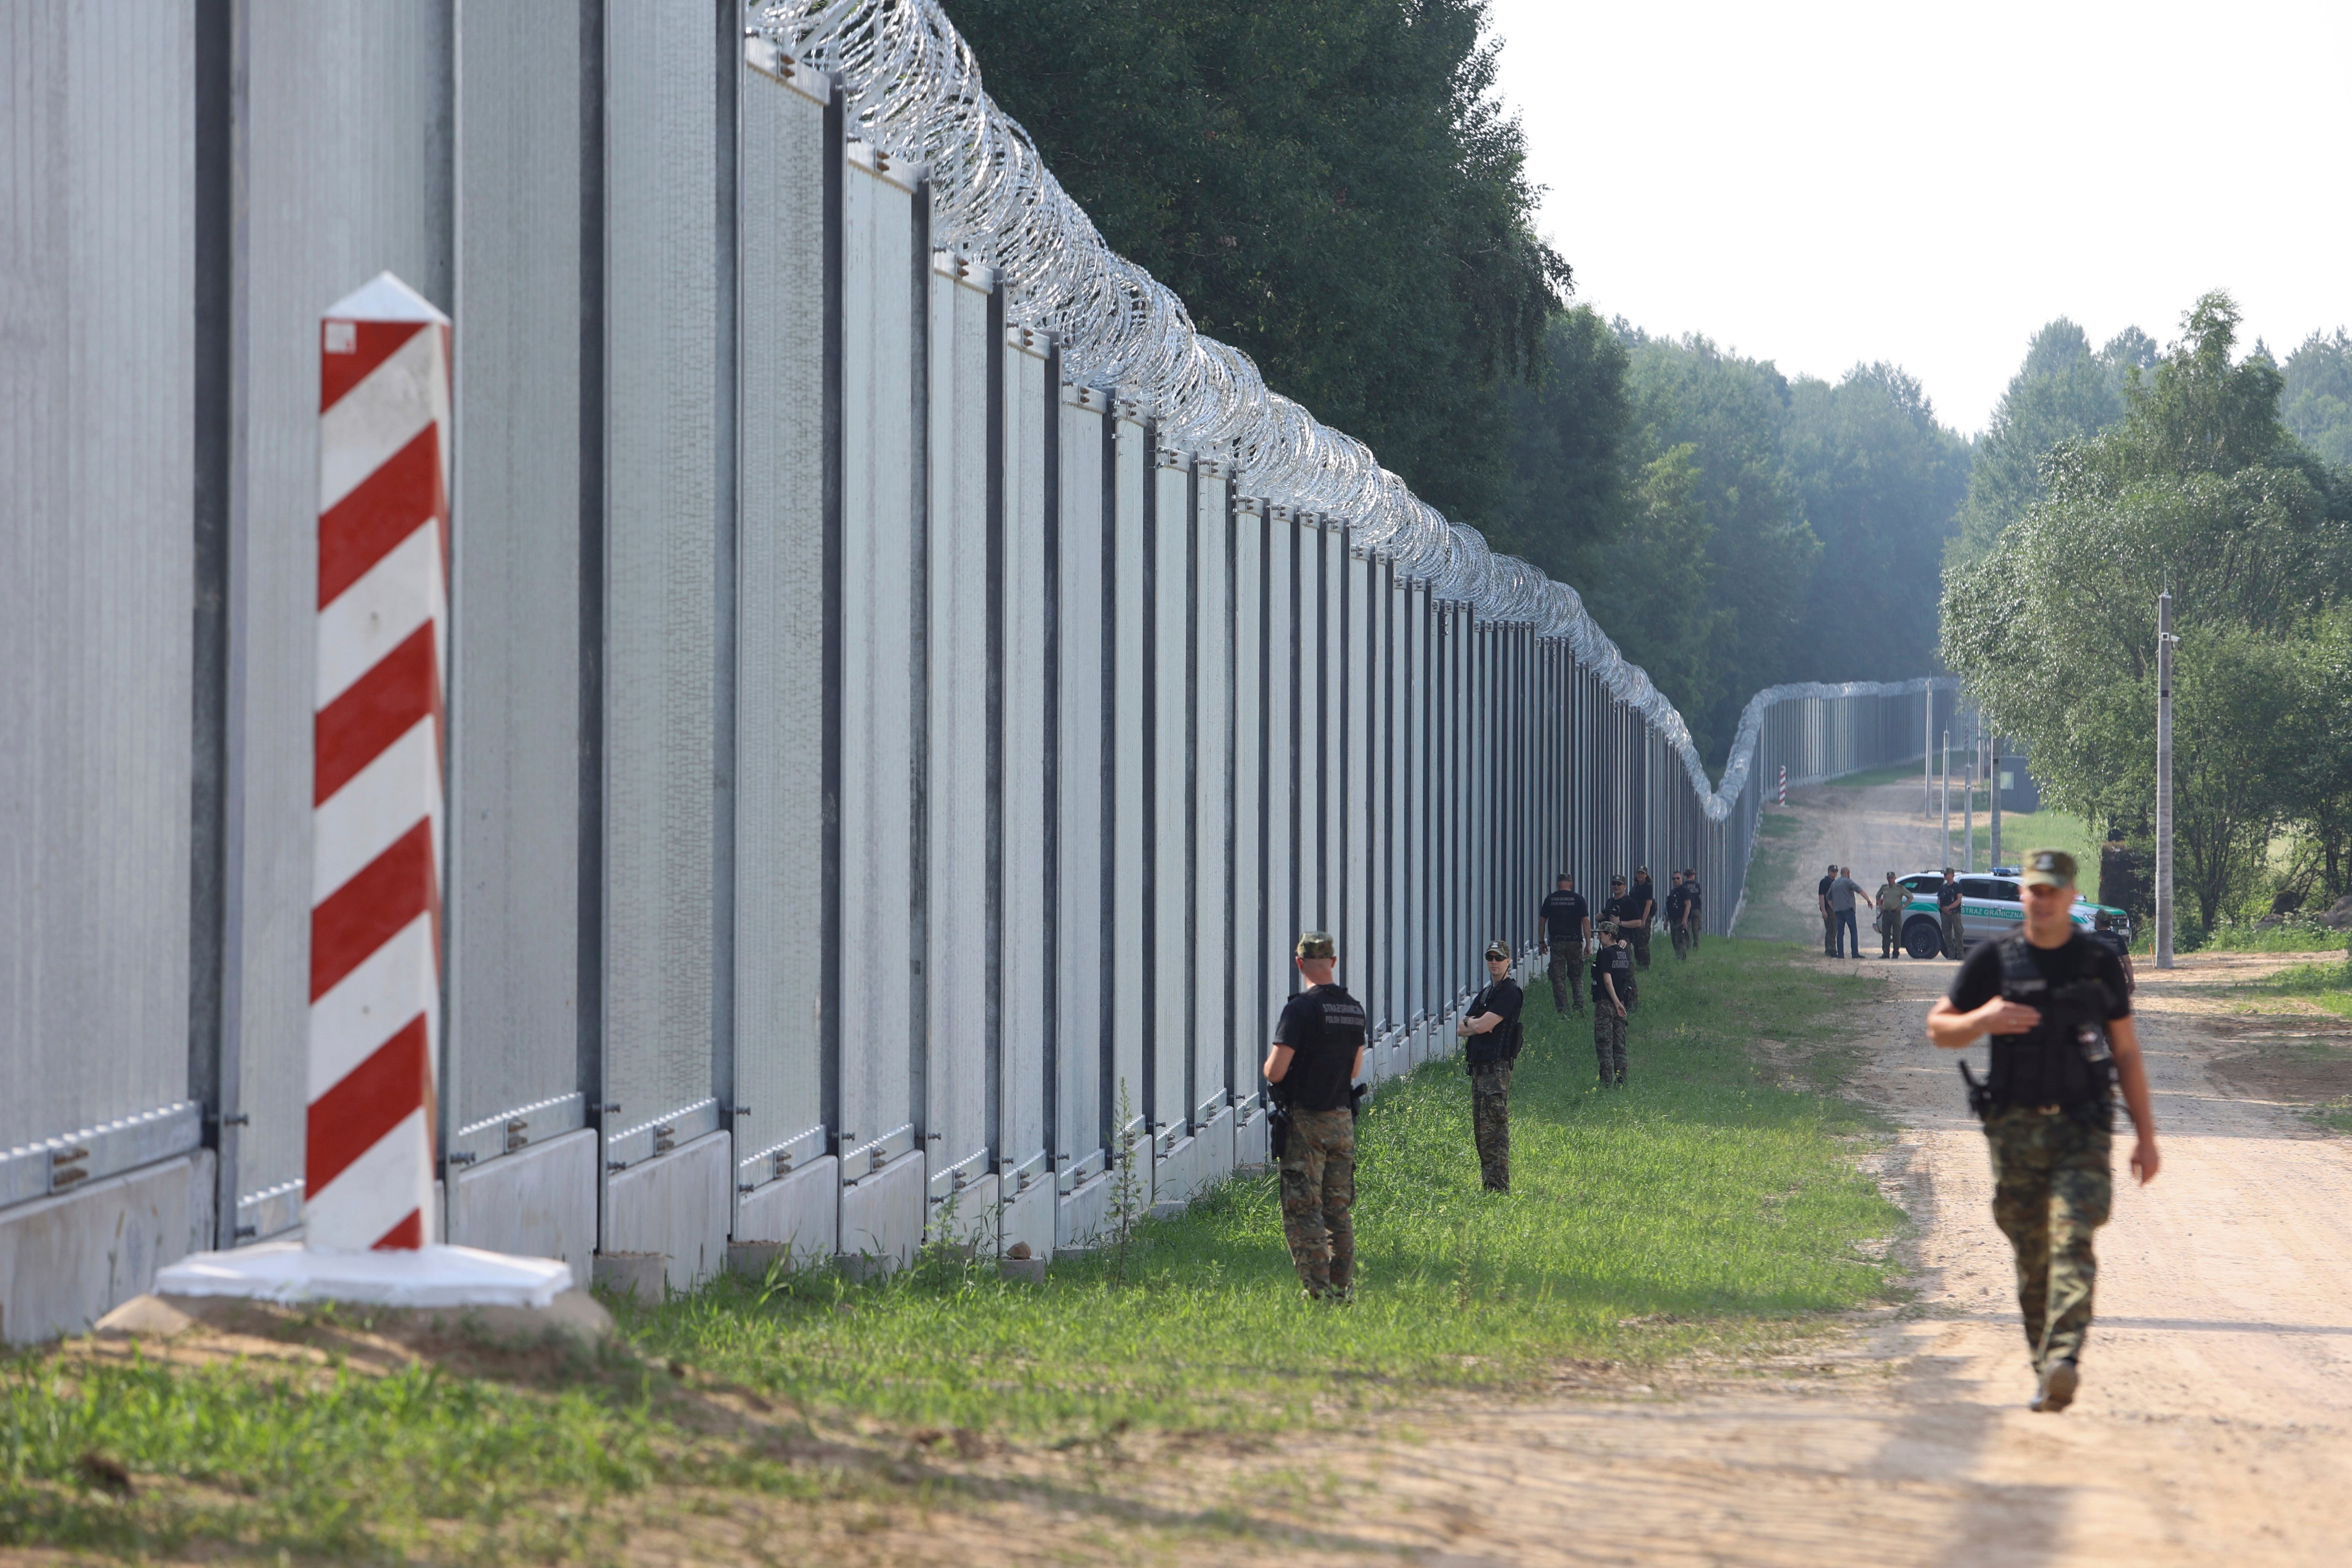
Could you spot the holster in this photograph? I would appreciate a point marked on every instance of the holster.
(1356, 1092)
(1980, 1095)
(1277, 1129)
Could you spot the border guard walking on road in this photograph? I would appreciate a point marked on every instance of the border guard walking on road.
(2063, 1041)
(1566, 921)
(1319, 1052)
(1492, 1027)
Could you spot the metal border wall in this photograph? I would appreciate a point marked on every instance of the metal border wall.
(901, 713)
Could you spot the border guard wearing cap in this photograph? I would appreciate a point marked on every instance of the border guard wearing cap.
(1643, 907)
(1567, 924)
(1492, 1027)
(2063, 1041)
(1318, 1053)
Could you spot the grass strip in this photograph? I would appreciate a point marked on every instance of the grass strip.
(1699, 1203)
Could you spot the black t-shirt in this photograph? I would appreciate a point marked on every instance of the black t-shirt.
(1500, 1044)
(1947, 896)
(1563, 915)
(1644, 897)
(1613, 960)
(1625, 909)
(2029, 1068)
(1324, 1028)
(1678, 900)
(1822, 892)
(2112, 941)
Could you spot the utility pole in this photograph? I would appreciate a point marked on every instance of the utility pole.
(2164, 641)
(1993, 734)
(1944, 845)
(1968, 806)
(1928, 754)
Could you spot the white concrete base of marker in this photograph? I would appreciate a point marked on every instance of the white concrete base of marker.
(433, 1276)
(539, 1202)
(801, 1213)
(677, 1204)
(882, 1215)
(1028, 1216)
(65, 1261)
(1082, 1215)
(975, 1219)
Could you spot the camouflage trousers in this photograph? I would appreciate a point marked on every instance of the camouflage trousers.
(1490, 1121)
(1683, 943)
(2051, 1189)
(1567, 976)
(1609, 1042)
(1319, 1188)
(1640, 937)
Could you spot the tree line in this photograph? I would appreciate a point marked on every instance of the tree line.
(2199, 485)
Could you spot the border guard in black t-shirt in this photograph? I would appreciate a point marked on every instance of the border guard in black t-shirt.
(1678, 909)
(1644, 908)
(1567, 925)
(1613, 1000)
(2063, 1041)
(1492, 1027)
(1318, 1051)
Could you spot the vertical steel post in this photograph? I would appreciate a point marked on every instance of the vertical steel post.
(1993, 736)
(1944, 843)
(2164, 642)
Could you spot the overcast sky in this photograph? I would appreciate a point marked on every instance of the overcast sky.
(1820, 182)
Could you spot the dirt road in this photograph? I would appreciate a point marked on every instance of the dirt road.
(2215, 1424)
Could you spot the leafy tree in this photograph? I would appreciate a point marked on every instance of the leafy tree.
(2202, 490)
(1331, 185)
(1570, 471)
(1879, 480)
(2317, 404)
(2062, 392)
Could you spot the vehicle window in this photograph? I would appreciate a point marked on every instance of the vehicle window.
(2010, 892)
(1986, 887)
(1918, 884)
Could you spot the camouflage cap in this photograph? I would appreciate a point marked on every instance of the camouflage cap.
(1317, 944)
(2048, 868)
(1499, 949)
(1607, 928)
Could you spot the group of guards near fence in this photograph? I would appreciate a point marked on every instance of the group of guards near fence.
(1316, 1057)
(2055, 1001)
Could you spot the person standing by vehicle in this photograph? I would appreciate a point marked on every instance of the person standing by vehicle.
(1842, 891)
(1948, 909)
(1678, 903)
(2103, 933)
(1317, 1054)
(1646, 909)
(1566, 922)
(1492, 1027)
(1828, 920)
(1612, 1001)
(2063, 1041)
(1893, 898)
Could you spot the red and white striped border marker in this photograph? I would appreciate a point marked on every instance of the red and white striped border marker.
(375, 890)
(1784, 784)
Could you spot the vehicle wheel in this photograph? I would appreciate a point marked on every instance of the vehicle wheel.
(1923, 939)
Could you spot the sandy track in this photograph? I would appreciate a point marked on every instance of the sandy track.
(2215, 1424)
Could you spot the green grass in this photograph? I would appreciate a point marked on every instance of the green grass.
(2293, 934)
(1901, 773)
(1707, 1207)
(1700, 1199)
(2326, 986)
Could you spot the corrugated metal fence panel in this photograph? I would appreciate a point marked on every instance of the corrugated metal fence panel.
(1210, 943)
(1128, 873)
(96, 564)
(1081, 726)
(660, 539)
(780, 627)
(1252, 937)
(1032, 906)
(882, 491)
(1356, 778)
(1284, 676)
(514, 711)
(957, 788)
(1081, 722)
(1168, 830)
(346, 146)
